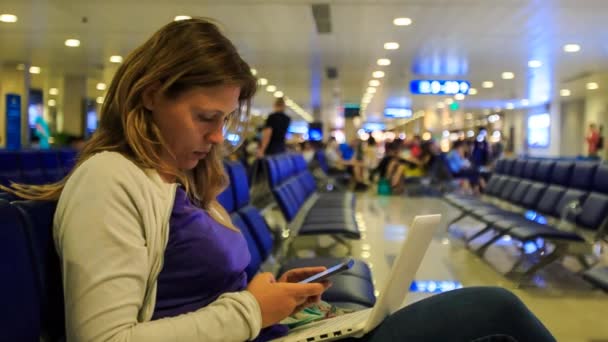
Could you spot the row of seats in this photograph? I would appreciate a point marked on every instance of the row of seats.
(538, 201)
(34, 308)
(351, 289)
(35, 166)
(294, 189)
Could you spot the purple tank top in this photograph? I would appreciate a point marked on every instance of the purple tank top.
(203, 260)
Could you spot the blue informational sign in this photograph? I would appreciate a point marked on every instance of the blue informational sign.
(13, 121)
(539, 130)
(397, 113)
(439, 87)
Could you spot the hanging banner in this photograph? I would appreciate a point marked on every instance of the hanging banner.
(13, 121)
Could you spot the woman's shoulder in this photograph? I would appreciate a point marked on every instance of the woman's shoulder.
(111, 168)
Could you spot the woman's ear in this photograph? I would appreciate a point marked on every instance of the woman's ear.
(150, 96)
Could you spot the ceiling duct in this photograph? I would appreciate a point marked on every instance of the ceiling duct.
(320, 12)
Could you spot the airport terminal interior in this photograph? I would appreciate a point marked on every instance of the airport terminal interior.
(367, 114)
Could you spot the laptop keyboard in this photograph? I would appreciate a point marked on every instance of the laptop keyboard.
(332, 327)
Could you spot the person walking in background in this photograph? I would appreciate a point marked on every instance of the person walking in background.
(593, 139)
(273, 134)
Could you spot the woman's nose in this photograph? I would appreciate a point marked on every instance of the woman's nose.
(216, 135)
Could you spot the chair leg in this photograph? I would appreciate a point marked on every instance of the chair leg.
(482, 249)
(556, 254)
(461, 216)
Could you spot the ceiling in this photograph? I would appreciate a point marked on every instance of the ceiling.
(474, 40)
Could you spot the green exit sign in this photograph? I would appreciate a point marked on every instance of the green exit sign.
(454, 106)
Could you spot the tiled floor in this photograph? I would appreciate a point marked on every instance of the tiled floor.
(570, 308)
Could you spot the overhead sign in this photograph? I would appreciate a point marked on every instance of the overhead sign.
(438, 87)
(397, 113)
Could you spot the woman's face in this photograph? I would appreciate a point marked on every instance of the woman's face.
(192, 122)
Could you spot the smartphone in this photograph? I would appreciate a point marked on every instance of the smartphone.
(329, 272)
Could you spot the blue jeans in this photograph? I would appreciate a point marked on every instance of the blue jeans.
(470, 314)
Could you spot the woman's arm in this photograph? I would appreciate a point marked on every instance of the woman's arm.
(106, 265)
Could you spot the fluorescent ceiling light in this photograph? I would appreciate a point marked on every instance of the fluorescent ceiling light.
(402, 21)
(507, 75)
(378, 74)
(391, 46)
(384, 62)
(592, 86)
(72, 42)
(8, 18)
(116, 59)
(572, 48)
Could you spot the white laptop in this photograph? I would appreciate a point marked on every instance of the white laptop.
(404, 269)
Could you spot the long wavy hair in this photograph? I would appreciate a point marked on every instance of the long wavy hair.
(182, 55)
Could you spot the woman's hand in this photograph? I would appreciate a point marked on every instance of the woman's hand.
(298, 274)
(278, 300)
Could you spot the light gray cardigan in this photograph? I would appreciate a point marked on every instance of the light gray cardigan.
(110, 230)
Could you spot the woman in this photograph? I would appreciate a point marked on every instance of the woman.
(147, 252)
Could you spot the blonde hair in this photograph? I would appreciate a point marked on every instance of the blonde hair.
(182, 55)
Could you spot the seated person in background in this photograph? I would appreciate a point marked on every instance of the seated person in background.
(351, 155)
(462, 168)
(168, 264)
(308, 151)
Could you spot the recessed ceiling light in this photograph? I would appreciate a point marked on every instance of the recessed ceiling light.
(8, 18)
(391, 46)
(254, 72)
(378, 74)
(374, 83)
(592, 86)
(371, 90)
(572, 48)
(525, 102)
(101, 86)
(509, 106)
(52, 103)
(278, 94)
(99, 100)
(262, 81)
(384, 61)
(472, 91)
(116, 59)
(449, 101)
(440, 105)
(402, 21)
(271, 89)
(72, 42)
(459, 97)
(53, 91)
(182, 17)
(35, 70)
(487, 84)
(565, 92)
(535, 63)
(507, 75)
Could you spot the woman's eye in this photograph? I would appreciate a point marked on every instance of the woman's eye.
(205, 118)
